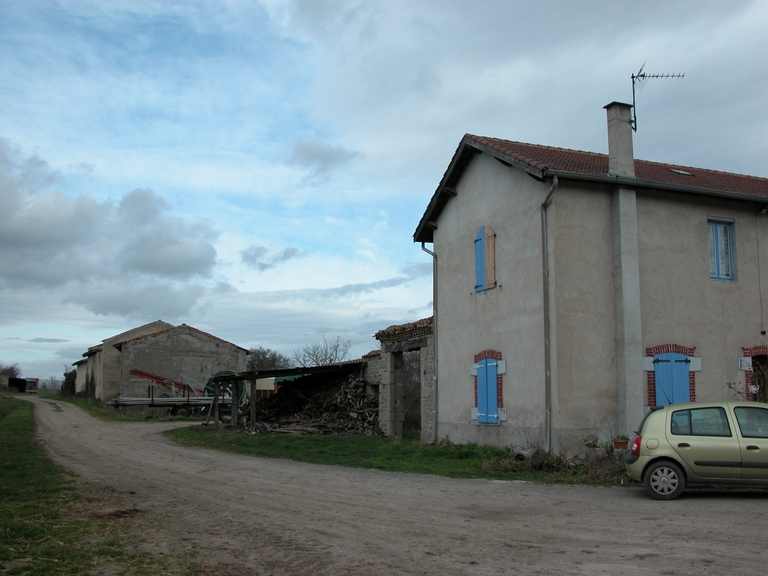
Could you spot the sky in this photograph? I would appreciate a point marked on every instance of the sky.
(256, 169)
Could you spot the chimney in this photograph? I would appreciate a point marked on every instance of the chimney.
(621, 157)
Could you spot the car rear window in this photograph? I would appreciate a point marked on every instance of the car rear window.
(700, 422)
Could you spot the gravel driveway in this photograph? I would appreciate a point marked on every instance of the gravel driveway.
(245, 515)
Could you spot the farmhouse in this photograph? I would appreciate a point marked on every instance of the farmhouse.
(181, 353)
(572, 290)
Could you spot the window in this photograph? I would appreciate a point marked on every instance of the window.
(720, 250)
(485, 259)
(700, 422)
(753, 422)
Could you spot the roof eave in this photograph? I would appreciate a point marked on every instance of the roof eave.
(648, 185)
(468, 148)
(471, 145)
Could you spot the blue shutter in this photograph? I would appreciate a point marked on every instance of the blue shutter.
(487, 398)
(480, 259)
(671, 374)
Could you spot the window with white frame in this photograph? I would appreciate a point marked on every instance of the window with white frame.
(721, 261)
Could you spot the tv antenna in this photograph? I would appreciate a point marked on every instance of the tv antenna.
(639, 80)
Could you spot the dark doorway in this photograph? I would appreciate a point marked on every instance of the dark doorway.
(759, 377)
(412, 390)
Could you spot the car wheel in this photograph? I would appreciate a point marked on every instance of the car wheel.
(664, 480)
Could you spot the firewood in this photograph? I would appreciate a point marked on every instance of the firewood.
(313, 405)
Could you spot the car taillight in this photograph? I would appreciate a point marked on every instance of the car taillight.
(635, 449)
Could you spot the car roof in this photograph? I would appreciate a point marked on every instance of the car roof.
(733, 404)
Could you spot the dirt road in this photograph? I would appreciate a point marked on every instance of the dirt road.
(251, 516)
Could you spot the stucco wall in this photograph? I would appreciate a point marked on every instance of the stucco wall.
(80, 377)
(682, 305)
(173, 353)
(89, 369)
(584, 389)
(506, 318)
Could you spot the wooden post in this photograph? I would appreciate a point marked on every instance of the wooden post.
(233, 421)
(210, 410)
(253, 405)
(216, 402)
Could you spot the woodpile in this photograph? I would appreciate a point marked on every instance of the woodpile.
(312, 405)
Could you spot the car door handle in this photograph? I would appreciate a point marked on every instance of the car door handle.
(683, 445)
(753, 447)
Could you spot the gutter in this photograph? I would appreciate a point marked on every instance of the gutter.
(547, 336)
(434, 338)
(633, 183)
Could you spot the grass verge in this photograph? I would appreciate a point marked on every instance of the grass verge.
(406, 455)
(104, 412)
(39, 535)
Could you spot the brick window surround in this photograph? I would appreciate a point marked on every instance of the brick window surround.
(490, 355)
(749, 374)
(650, 376)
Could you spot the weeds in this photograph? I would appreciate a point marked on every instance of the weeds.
(603, 470)
(408, 455)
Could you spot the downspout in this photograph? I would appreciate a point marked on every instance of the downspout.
(434, 338)
(547, 344)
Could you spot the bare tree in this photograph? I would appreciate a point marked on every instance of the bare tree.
(322, 353)
(265, 359)
(52, 383)
(10, 370)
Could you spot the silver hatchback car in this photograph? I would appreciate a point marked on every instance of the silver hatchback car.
(681, 445)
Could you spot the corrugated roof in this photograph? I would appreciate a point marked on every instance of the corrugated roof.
(548, 161)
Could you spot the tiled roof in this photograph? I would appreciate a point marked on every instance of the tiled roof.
(405, 331)
(550, 160)
(547, 161)
(192, 328)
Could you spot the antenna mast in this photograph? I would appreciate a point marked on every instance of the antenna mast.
(640, 79)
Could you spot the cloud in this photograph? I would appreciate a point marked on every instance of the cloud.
(262, 259)
(163, 254)
(320, 158)
(45, 340)
(72, 353)
(137, 299)
(141, 206)
(51, 240)
(408, 273)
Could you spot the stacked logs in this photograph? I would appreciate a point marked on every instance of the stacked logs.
(317, 407)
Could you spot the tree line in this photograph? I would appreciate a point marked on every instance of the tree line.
(315, 354)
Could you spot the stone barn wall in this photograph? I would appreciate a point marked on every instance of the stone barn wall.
(396, 340)
(180, 351)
